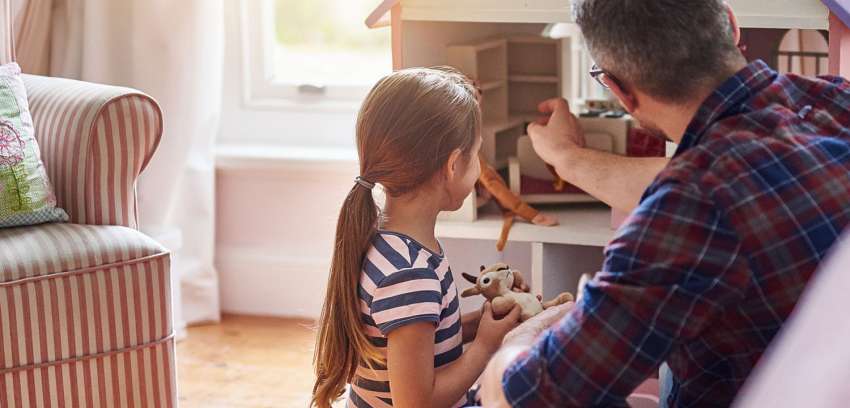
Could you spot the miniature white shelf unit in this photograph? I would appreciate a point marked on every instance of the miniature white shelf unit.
(423, 31)
(514, 73)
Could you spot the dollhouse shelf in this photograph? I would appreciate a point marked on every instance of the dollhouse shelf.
(490, 85)
(580, 224)
(535, 79)
(810, 14)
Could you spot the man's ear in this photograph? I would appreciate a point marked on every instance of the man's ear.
(627, 99)
(453, 164)
(470, 292)
(733, 21)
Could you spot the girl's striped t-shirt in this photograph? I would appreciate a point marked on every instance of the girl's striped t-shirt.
(403, 282)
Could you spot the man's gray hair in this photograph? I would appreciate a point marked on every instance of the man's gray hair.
(669, 49)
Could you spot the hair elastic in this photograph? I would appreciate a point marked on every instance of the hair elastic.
(364, 183)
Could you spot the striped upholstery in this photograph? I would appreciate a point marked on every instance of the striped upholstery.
(95, 140)
(85, 318)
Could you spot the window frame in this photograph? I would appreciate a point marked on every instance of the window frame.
(262, 91)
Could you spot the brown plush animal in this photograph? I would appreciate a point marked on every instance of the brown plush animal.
(495, 283)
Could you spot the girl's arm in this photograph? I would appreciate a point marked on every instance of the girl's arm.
(410, 360)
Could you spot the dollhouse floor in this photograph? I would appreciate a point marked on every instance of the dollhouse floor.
(247, 362)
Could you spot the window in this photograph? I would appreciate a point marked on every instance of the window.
(325, 42)
(805, 52)
(311, 53)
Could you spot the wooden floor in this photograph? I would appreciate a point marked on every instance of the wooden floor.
(247, 362)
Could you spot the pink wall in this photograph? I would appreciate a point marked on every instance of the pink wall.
(274, 233)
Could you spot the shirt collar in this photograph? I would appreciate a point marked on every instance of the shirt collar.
(726, 100)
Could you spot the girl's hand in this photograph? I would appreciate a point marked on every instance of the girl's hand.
(491, 331)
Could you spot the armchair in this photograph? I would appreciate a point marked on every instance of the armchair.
(85, 306)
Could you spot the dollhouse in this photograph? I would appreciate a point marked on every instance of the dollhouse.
(522, 52)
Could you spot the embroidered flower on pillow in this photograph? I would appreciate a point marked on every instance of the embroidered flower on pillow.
(26, 195)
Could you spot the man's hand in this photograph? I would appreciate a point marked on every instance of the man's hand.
(525, 333)
(515, 343)
(556, 133)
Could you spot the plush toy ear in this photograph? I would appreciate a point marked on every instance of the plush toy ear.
(519, 280)
(482, 268)
(473, 280)
(470, 292)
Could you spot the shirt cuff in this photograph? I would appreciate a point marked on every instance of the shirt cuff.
(386, 328)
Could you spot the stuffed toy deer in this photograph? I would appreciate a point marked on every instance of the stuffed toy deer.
(495, 283)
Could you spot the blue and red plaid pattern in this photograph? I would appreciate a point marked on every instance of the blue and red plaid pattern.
(712, 262)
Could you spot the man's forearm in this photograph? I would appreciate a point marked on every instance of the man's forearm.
(618, 181)
(514, 344)
(492, 394)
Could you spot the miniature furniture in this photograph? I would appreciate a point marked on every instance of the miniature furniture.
(85, 306)
(515, 73)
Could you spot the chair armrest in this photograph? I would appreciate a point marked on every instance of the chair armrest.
(95, 140)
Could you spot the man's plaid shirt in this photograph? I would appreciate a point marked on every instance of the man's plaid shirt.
(712, 262)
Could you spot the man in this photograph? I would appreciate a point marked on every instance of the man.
(724, 239)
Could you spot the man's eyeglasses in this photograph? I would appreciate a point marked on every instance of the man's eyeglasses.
(596, 73)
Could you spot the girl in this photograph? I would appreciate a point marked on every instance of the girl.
(390, 324)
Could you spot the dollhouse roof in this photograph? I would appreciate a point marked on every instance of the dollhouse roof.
(808, 14)
(381, 15)
(841, 9)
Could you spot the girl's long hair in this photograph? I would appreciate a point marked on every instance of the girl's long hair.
(408, 126)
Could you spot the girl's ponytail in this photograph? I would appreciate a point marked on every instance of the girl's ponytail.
(341, 344)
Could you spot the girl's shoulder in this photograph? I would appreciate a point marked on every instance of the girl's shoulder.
(392, 251)
(398, 261)
(403, 282)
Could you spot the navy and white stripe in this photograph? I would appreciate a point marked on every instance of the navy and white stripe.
(402, 282)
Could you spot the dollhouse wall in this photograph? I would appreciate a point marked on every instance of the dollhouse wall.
(424, 43)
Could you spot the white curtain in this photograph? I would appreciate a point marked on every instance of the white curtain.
(172, 50)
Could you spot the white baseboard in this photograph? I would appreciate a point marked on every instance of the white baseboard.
(257, 281)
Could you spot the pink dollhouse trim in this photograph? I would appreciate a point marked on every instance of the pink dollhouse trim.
(839, 46)
(380, 17)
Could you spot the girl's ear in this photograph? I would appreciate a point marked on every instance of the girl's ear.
(470, 292)
(454, 164)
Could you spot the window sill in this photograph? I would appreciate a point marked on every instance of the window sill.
(230, 157)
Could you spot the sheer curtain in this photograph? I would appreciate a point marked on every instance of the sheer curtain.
(173, 51)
